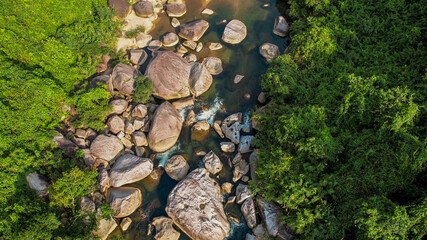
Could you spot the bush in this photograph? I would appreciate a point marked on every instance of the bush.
(143, 89)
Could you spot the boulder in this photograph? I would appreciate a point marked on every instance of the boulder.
(228, 147)
(175, 22)
(124, 200)
(213, 65)
(138, 56)
(139, 139)
(195, 207)
(142, 39)
(177, 167)
(271, 216)
(106, 147)
(238, 78)
(87, 205)
(190, 44)
(176, 9)
(217, 128)
(281, 27)
(122, 7)
(139, 111)
(183, 103)
(200, 79)
(234, 33)
(119, 106)
(116, 124)
(154, 45)
(105, 226)
(249, 213)
(170, 74)
(125, 223)
(130, 168)
(104, 180)
(164, 229)
(269, 51)
(200, 131)
(143, 9)
(261, 98)
(191, 118)
(170, 39)
(38, 183)
(242, 193)
(240, 169)
(165, 128)
(193, 30)
(65, 144)
(246, 144)
(123, 78)
(226, 187)
(212, 163)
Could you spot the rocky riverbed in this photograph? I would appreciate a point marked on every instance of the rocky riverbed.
(179, 167)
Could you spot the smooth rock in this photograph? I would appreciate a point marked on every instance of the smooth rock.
(177, 167)
(212, 163)
(104, 180)
(119, 106)
(122, 7)
(200, 131)
(165, 128)
(269, 51)
(106, 147)
(154, 45)
(140, 111)
(125, 223)
(87, 205)
(193, 30)
(261, 98)
(130, 168)
(175, 22)
(124, 200)
(164, 229)
(116, 124)
(281, 27)
(246, 144)
(249, 213)
(208, 11)
(238, 78)
(213, 46)
(234, 33)
(139, 139)
(138, 56)
(213, 64)
(181, 49)
(170, 39)
(200, 79)
(183, 103)
(38, 183)
(142, 39)
(123, 78)
(143, 9)
(195, 207)
(190, 44)
(228, 147)
(217, 128)
(169, 74)
(272, 218)
(242, 193)
(175, 9)
(199, 47)
(191, 118)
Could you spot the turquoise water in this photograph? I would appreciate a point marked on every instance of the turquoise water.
(222, 99)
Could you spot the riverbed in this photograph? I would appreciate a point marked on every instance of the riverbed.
(222, 99)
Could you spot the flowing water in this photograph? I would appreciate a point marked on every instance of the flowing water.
(223, 98)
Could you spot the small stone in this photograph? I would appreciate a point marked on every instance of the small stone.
(104, 180)
(213, 46)
(240, 169)
(170, 39)
(138, 123)
(228, 147)
(208, 11)
(154, 45)
(175, 9)
(81, 133)
(247, 96)
(217, 128)
(249, 213)
(242, 193)
(281, 27)
(125, 223)
(226, 187)
(191, 118)
(140, 111)
(181, 49)
(213, 64)
(238, 78)
(139, 151)
(261, 98)
(129, 129)
(246, 144)
(199, 47)
(126, 142)
(212, 163)
(142, 39)
(231, 199)
(190, 44)
(266, 5)
(119, 106)
(190, 57)
(269, 51)
(245, 179)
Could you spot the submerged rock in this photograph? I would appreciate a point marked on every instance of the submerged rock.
(164, 229)
(106, 147)
(195, 207)
(165, 128)
(212, 163)
(193, 30)
(177, 167)
(200, 130)
(130, 168)
(269, 51)
(124, 200)
(235, 31)
(170, 74)
(125, 223)
(281, 27)
(213, 65)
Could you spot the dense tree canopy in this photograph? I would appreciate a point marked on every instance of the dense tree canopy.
(343, 141)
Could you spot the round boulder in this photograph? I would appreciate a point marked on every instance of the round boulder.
(200, 79)
(213, 64)
(234, 33)
(177, 167)
(130, 168)
(200, 130)
(269, 51)
(106, 147)
(143, 9)
(124, 200)
(175, 9)
(123, 78)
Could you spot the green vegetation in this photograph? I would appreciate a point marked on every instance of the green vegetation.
(47, 50)
(143, 89)
(134, 32)
(343, 142)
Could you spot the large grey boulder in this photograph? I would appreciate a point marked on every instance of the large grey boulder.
(130, 168)
(271, 216)
(164, 229)
(106, 147)
(212, 163)
(124, 200)
(123, 78)
(169, 74)
(177, 167)
(269, 51)
(38, 183)
(213, 65)
(281, 27)
(165, 128)
(235, 31)
(200, 79)
(193, 30)
(195, 207)
(122, 7)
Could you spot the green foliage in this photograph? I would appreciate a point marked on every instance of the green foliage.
(342, 144)
(143, 89)
(134, 32)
